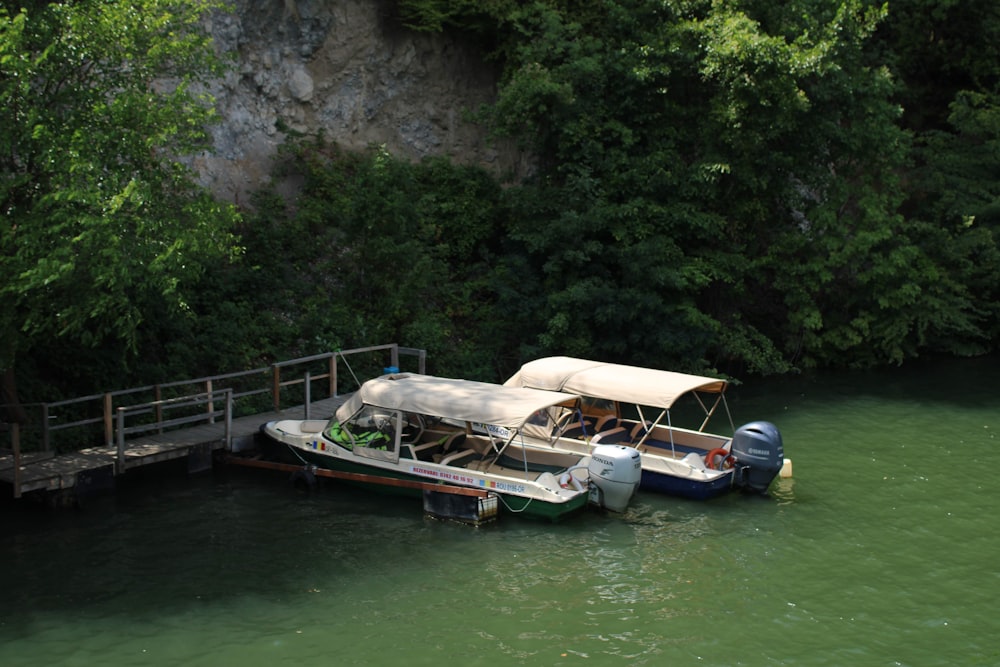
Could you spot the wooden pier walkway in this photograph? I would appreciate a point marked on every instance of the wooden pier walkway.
(94, 466)
(92, 470)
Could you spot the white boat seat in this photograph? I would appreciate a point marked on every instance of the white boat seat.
(613, 436)
(606, 423)
(460, 457)
(638, 431)
(451, 444)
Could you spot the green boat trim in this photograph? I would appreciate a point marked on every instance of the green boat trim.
(510, 504)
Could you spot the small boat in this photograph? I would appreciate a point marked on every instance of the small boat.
(419, 427)
(632, 405)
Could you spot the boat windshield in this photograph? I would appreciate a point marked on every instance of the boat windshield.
(372, 432)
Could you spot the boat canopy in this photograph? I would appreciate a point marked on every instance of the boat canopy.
(633, 384)
(462, 400)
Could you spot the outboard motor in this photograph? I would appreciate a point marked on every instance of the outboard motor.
(759, 455)
(615, 471)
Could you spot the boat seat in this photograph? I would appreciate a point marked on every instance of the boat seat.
(449, 444)
(459, 457)
(578, 429)
(614, 436)
(426, 451)
(606, 423)
(483, 447)
(638, 431)
(463, 451)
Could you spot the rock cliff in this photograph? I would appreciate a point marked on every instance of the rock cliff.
(349, 69)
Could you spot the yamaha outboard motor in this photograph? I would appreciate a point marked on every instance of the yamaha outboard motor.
(759, 455)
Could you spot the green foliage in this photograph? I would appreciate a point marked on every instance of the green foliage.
(946, 56)
(101, 223)
(678, 140)
(718, 184)
(721, 181)
(378, 249)
(733, 184)
(939, 48)
(472, 15)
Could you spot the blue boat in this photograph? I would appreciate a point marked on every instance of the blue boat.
(633, 406)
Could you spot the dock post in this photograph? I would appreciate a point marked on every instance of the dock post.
(333, 375)
(211, 403)
(276, 386)
(15, 435)
(157, 397)
(108, 430)
(308, 392)
(229, 420)
(45, 428)
(121, 440)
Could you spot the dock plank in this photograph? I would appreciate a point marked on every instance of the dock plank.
(7, 459)
(57, 472)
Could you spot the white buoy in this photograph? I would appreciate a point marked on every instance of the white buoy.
(786, 468)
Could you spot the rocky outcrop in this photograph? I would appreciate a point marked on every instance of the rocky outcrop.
(348, 69)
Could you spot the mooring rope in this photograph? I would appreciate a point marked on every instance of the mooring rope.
(348, 364)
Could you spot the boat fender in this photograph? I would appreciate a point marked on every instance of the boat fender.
(568, 480)
(304, 479)
(725, 463)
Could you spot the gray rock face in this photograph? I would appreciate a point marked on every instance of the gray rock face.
(346, 68)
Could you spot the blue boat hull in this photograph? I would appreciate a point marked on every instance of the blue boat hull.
(686, 488)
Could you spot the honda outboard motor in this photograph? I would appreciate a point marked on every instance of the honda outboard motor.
(615, 472)
(759, 455)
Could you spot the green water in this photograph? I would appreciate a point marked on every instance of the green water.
(881, 550)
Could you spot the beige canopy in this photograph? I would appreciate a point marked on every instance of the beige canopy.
(631, 384)
(463, 400)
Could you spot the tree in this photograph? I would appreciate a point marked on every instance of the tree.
(681, 145)
(946, 55)
(102, 222)
(375, 248)
(724, 180)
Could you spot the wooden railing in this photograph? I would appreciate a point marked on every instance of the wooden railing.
(331, 358)
(159, 407)
(98, 411)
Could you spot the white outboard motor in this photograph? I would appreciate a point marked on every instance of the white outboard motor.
(615, 473)
(759, 455)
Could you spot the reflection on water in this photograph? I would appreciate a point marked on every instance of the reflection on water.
(881, 550)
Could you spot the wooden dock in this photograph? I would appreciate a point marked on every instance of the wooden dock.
(139, 435)
(92, 470)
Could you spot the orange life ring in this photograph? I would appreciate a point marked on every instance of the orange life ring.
(726, 458)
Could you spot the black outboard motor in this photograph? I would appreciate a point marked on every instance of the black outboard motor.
(759, 455)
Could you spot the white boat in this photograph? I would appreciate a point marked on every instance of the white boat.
(632, 405)
(403, 426)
